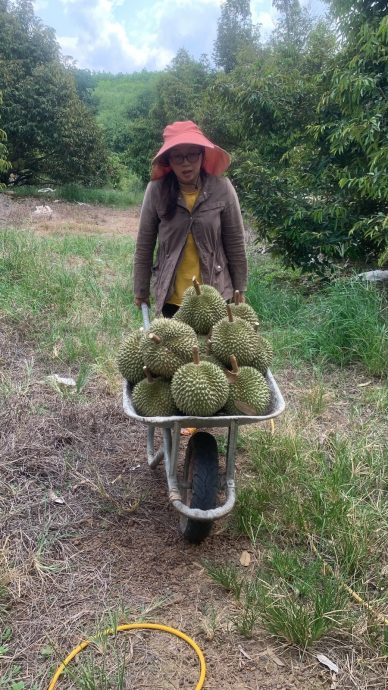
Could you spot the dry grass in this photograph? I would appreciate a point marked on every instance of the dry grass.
(87, 530)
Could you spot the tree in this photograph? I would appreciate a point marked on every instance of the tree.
(353, 132)
(178, 95)
(50, 132)
(275, 167)
(4, 163)
(294, 23)
(235, 34)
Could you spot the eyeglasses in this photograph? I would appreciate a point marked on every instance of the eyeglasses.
(178, 158)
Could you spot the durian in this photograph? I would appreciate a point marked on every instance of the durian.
(243, 310)
(249, 392)
(202, 306)
(263, 354)
(233, 336)
(129, 358)
(199, 389)
(166, 346)
(152, 397)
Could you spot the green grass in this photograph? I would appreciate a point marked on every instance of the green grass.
(342, 323)
(299, 493)
(72, 296)
(131, 193)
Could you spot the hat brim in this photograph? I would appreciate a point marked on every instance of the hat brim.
(215, 161)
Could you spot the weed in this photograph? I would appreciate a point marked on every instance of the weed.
(226, 576)
(336, 501)
(301, 621)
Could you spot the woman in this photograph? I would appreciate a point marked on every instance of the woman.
(194, 216)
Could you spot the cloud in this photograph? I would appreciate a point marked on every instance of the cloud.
(112, 37)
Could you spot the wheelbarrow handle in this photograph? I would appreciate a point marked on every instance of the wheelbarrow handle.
(146, 315)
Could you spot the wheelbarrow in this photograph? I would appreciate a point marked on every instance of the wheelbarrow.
(195, 494)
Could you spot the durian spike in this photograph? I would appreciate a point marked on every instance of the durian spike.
(230, 315)
(237, 297)
(148, 374)
(156, 338)
(196, 286)
(234, 364)
(196, 354)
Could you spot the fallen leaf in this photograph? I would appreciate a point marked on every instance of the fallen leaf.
(271, 654)
(245, 559)
(244, 653)
(54, 498)
(63, 380)
(327, 662)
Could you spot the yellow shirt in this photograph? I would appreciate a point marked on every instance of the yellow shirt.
(189, 265)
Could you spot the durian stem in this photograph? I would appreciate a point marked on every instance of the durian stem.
(230, 315)
(148, 375)
(256, 326)
(237, 298)
(156, 338)
(208, 346)
(234, 364)
(196, 285)
(196, 354)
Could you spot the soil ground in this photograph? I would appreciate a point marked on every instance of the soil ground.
(61, 218)
(88, 529)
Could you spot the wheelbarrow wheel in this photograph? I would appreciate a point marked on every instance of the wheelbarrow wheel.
(201, 472)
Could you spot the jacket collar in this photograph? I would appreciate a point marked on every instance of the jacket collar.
(204, 194)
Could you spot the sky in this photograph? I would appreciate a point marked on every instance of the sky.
(131, 35)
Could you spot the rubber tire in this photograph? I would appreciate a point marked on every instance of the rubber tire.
(202, 453)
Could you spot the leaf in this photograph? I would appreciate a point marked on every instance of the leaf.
(245, 559)
(54, 498)
(47, 650)
(244, 653)
(327, 662)
(63, 381)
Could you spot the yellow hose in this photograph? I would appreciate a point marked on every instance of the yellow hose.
(135, 626)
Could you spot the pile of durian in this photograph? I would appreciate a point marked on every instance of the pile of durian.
(208, 359)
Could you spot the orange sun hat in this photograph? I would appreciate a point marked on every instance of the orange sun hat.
(215, 160)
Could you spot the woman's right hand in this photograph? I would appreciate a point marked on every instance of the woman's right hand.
(138, 301)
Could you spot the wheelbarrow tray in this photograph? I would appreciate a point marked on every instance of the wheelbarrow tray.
(275, 408)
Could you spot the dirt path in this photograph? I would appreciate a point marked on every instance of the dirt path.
(60, 217)
(88, 529)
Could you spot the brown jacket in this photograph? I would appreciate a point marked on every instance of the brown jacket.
(217, 228)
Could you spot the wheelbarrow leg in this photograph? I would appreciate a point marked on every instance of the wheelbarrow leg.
(171, 450)
(152, 457)
(231, 452)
